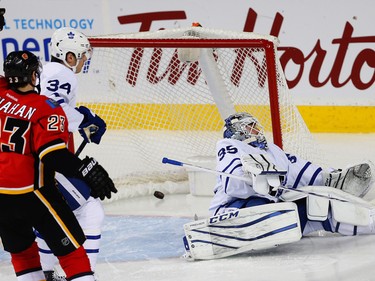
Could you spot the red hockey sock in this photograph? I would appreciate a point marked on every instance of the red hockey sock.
(76, 264)
(27, 260)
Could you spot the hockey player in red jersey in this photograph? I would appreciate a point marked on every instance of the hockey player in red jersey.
(33, 136)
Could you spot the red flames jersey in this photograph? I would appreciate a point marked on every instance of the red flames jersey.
(31, 126)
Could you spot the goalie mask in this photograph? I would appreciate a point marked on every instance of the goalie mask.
(68, 40)
(245, 127)
(19, 67)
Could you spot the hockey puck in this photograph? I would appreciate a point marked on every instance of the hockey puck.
(159, 194)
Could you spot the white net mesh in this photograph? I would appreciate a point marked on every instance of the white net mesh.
(157, 106)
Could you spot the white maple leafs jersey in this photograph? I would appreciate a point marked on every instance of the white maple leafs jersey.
(300, 172)
(60, 83)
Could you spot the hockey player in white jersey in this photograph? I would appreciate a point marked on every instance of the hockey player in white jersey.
(70, 49)
(256, 204)
(245, 146)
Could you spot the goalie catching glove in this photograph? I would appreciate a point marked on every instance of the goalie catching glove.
(356, 180)
(97, 178)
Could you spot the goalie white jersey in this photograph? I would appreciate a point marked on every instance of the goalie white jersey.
(300, 172)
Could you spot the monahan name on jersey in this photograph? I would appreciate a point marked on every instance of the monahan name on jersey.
(11, 106)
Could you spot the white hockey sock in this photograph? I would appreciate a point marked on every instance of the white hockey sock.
(47, 258)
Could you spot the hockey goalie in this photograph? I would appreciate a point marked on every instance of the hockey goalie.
(265, 197)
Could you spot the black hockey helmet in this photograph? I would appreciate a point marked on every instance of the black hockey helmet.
(19, 66)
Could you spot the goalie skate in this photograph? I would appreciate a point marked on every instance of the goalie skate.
(243, 230)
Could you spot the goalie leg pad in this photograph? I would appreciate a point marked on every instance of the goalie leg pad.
(348, 213)
(343, 212)
(243, 230)
(345, 208)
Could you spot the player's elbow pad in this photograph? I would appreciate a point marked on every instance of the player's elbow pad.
(62, 161)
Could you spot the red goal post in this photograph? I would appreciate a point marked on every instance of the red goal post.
(166, 94)
(267, 46)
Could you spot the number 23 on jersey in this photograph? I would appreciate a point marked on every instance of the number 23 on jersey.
(17, 129)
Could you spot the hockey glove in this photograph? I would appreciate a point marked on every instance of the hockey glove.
(92, 127)
(266, 177)
(97, 178)
(356, 180)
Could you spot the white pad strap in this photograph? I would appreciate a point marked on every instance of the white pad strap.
(317, 208)
(242, 230)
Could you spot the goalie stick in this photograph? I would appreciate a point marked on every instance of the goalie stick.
(166, 160)
(309, 190)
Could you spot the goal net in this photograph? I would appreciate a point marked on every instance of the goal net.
(166, 94)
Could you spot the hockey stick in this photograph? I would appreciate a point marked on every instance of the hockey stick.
(81, 147)
(88, 131)
(355, 200)
(199, 168)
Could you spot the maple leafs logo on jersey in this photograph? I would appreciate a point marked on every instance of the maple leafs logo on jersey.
(70, 35)
(52, 103)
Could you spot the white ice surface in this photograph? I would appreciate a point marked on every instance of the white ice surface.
(142, 239)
